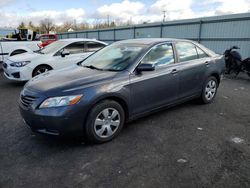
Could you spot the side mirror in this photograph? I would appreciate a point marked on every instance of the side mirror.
(65, 53)
(145, 67)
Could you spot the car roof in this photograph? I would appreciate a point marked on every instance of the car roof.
(151, 41)
(78, 39)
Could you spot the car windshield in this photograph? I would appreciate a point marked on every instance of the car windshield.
(116, 57)
(53, 47)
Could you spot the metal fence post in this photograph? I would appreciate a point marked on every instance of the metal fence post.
(98, 34)
(200, 30)
(134, 32)
(161, 30)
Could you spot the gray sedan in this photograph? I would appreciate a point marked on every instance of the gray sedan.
(120, 83)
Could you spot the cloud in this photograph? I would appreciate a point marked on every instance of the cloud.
(4, 2)
(170, 5)
(175, 9)
(134, 11)
(230, 6)
(124, 11)
(183, 9)
(12, 19)
(59, 17)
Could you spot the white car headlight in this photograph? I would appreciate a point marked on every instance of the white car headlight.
(60, 101)
(19, 64)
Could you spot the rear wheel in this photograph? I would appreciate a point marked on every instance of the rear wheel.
(209, 90)
(104, 122)
(41, 69)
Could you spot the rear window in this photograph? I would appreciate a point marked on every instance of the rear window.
(186, 51)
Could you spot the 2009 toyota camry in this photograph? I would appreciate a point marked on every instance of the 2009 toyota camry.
(119, 83)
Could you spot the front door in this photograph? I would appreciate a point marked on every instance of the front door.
(153, 89)
(77, 53)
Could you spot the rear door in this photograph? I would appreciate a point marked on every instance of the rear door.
(153, 89)
(192, 64)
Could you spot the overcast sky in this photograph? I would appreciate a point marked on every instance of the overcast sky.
(12, 12)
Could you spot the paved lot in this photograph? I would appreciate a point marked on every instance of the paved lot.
(186, 146)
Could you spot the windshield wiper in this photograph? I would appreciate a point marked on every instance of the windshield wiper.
(92, 67)
(39, 52)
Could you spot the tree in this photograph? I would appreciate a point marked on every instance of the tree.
(21, 26)
(31, 26)
(47, 25)
(67, 25)
(83, 26)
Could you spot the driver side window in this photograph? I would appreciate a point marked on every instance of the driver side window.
(159, 55)
(76, 48)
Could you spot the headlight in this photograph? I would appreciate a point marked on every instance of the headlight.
(19, 64)
(60, 101)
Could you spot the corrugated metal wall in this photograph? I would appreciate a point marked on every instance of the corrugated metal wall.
(217, 33)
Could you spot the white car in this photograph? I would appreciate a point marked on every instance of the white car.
(60, 54)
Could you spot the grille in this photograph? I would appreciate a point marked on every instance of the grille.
(5, 65)
(16, 75)
(27, 101)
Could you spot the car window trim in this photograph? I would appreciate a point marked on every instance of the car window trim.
(139, 61)
(197, 47)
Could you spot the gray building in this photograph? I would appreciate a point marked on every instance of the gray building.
(217, 33)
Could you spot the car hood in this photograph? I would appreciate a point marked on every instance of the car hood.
(25, 57)
(72, 78)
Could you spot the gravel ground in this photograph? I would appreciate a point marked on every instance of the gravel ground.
(190, 145)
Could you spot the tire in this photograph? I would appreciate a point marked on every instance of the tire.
(209, 90)
(41, 69)
(100, 127)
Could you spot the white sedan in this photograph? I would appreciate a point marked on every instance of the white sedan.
(60, 54)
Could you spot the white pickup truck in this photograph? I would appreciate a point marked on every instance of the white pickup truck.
(10, 48)
(20, 42)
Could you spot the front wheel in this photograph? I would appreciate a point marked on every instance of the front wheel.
(209, 90)
(41, 69)
(105, 121)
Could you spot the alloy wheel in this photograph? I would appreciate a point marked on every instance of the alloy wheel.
(210, 90)
(42, 70)
(107, 122)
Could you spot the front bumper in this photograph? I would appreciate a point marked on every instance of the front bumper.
(55, 121)
(17, 73)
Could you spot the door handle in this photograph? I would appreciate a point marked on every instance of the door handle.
(174, 71)
(207, 62)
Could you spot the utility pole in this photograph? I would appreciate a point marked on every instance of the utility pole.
(164, 16)
(108, 19)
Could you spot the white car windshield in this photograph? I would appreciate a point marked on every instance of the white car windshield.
(116, 57)
(53, 47)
